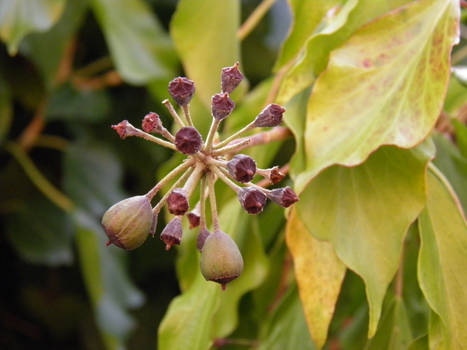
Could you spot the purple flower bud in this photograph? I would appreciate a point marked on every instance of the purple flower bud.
(202, 235)
(231, 78)
(123, 129)
(172, 233)
(285, 196)
(182, 89)
(188, 140)
(222, 106)
(275, 175)
(152, 123)
(242, 168)
(271, 115)
(252, 200)
(194, 217)
(177, 202)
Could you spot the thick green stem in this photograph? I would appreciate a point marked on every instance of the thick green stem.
(173, 112)
(212, 131)
(41, 182)
(212, 200)
(177, 183)
(152, 192)
(235, 135)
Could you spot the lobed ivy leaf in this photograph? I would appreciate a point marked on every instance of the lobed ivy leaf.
(204, 33)
(141, 49)
(21, 17)
(441, 264)
(384, 86)
(365, 213)
(319, 274)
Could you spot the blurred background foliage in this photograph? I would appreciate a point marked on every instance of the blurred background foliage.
(70, 69)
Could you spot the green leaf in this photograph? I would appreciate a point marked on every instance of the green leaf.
(394, 330)
(67, 103)
(92, 177)
(461, 136)
(421, 343)
(186, 324)
(441, 264)
(319, 274)
(455, 97)
(41, 233)
(21, 17)
(204, 33)
(110, 290)
(141, 49)
(46, 49)
(365, 212)
(286, 328)
(309, 16)
(384, 86)
(6, 110)
(453, 165)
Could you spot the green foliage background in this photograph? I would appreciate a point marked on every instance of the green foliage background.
(374, 256)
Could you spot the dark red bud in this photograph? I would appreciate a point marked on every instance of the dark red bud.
(231, 77)
(252, 199)
(194, 217)
(182, 89)
(222, 106)
(177, 202)
(172, 233)
(152, 123)
(188, 140)
(271, 115)
(202, 235)
(275, 175)
(123, 129)
(242, 168)
(285, 197)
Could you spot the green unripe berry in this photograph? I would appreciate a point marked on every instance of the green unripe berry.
(128, 222)
(221, 260)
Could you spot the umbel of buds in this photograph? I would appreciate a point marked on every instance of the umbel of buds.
(129, 222)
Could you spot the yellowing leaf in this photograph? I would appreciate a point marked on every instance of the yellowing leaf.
(319, 274)
(365, 212)
(442, 265)
(384, 86)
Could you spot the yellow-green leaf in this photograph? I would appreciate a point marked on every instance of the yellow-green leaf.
(365, 212)
(384, 86)
(319, 274)
(204, 33)
(442, 264)
(309, 16)
(21, 17)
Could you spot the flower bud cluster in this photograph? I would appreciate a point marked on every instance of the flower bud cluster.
(129, 222)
